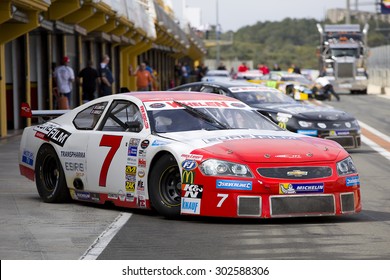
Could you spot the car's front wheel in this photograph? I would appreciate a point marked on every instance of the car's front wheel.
(50, 177)
(165, 187)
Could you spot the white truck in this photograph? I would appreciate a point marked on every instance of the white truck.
(343, 53)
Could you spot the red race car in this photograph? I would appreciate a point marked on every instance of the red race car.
(187, 153)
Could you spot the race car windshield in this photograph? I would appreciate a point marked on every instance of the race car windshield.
(253, 98)
(182, 119)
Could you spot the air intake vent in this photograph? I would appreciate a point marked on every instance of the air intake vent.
(347, 202)
(294, 205)
(249, 206)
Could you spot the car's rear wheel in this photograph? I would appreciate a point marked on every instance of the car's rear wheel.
(165, 187)
(50, 177)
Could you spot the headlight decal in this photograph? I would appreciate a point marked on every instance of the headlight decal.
(346, 167)
(214, 167)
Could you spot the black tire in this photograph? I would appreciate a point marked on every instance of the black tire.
(50, 177)
(165, 187)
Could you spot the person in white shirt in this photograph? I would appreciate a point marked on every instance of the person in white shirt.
(64, 77)
(327, 87)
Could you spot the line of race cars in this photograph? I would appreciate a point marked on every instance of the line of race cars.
(295, 116)
(190, 153)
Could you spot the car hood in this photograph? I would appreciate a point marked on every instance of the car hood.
(306, 111)
(261, 146)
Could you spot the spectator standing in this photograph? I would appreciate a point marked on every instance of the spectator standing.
(88, 77)
(184, 74)
(151, 71)
(64, 77)
(327, 88)
(201, 71)
(264, 69)
(295, 69)
(242, 67)
(106, 78)
(177, 73)
(221, 66)
(144, 78)
(276, 67)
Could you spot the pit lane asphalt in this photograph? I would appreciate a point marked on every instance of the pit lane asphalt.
(31, 229)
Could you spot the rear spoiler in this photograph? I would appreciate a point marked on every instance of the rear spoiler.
(42, 115)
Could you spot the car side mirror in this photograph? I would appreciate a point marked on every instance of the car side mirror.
(133, 126)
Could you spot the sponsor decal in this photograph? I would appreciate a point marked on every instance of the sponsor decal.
(140, 186)
(130, 197)
(188, 177)
(28, 157)
(144, 118)
(52, 132)
(98, 109)
(121, 195)
(131, 170)
(352, 181)
(131, 178)
(190, 205)
(248, 136)
(194, 191)
(131, 160)
(145, 144)
(72, 154)
(283, 118)
(83, 195)
(288, 188)
(157, 105)
(141, 201)
(338, 132)
(191, 156)
(133, 147)
(112, 196)
(58, 136)
(219, 104)
(189, 164)
(310, 132)
(141, 153)
(74, 166)
(141, 173)
(141, 162)
(130, 186)
(238, 105)
(132, 151)
(95, 197)
(40, 135)
(288, 156)
(234, 185)
(156, 143)
(134, 142)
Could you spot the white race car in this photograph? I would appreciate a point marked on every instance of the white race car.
(187, 153)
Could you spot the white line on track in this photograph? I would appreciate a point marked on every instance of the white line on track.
(374, 131)
(102, 241)
(376, 147)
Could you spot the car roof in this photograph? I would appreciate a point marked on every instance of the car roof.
(223, 83)
(148, 96)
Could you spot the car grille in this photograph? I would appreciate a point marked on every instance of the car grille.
(249, 206)
(296, 172)
(302, 205)
(345, 141)
(345, 70)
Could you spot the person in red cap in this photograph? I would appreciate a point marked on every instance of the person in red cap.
(64, 77)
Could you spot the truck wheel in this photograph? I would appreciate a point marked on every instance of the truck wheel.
(50, 177)
(165, 187)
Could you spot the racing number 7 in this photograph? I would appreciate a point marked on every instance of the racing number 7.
(113, 142)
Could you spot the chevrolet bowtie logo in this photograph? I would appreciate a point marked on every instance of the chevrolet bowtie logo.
(297, 173)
